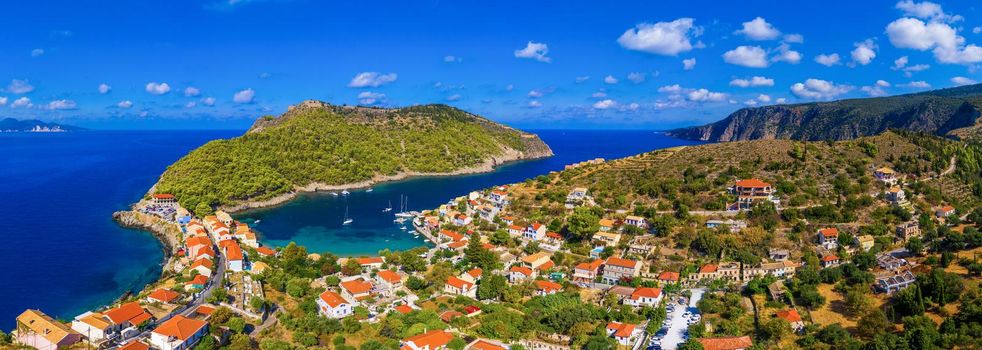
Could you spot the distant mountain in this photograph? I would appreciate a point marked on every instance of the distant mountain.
(952, 112)
(33, 125)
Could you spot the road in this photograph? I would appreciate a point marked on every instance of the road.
(679, 326)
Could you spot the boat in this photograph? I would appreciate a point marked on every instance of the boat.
(347, 220)
(345, 192)
(403, 228)
(388, 208)
(400, 220)
(369, 189)
(257, 221)
(403, 208)
(334, 194)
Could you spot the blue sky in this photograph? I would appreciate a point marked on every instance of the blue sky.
(531, 64)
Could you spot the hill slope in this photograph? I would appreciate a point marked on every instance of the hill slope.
(939, 112)
(15, 125)
(316, 145)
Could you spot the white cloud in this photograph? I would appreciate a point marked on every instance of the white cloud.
(599, 94)
(976, 30)
(454, 97)
(157, 88)
(764, 98)
(582, 79)
(864, 52)
(534, 104)
(901, 65)
(817, 89)
(786, 54)
(671, 89)
(62, 104)
(208, 101)
(104, 88)
(3, 100)
(370, 98)
(610, 79)
(926, 10)
(794, 38)
(780, 101)
(452, 59)
(244, 96)
(191, 91)
(750, 103)
(874, 90)
(941, 38)
(920, 84)
(18, 86)
(633, 106)
(604, 104)
(21, 102)
(689, 63)
(190, 104)
(900, 62)
(747, 56)
(959, 81)
(635, 77)
(37, 52)
(372, 79)
(828, 60)
(882, 83)
(662, 38)
(125, 104)
(759, 29)
(754, 81)
(509, 87)
(536, 51)
(701, 95)
(536, 93)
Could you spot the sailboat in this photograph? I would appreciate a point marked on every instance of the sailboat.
(388, 208)
(403, 208)
(347, 220)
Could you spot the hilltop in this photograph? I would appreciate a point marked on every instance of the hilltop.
(952, 111)
(315, 145)
(33, 125)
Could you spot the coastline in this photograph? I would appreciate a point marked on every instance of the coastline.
(167, 233)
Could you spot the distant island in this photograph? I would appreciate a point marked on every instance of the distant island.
(33, 125)
(319, 146)
(952, 112)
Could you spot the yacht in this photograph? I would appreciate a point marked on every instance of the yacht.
(347, 220)
(388, 208)
(345, 192)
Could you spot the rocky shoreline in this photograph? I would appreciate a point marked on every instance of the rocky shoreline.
(165, 232)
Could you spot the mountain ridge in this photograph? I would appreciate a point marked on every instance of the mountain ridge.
(33, 125)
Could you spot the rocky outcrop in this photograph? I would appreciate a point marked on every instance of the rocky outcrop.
(167, 233)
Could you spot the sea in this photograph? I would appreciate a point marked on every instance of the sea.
(63, 254)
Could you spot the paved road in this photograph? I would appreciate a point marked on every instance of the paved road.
(676, 331)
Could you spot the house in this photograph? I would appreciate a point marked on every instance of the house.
(908, 230)
(606, 225)
(578, 193)
(750, 192)
(266, 252)
(472, 275)
(641, 246)
(40, 331)
(887, 261)
(729, 271)
(622, 332)
(607, 238)
(645, 296)
(777, 291)
(487, 212)
(668, 277)
(508, 219)
(224, 217)
(471, 310)
(792, 316)
(457, 286)
(587, 272)
(432, 340)
(708, 271)
(388, 280)
(829, 260)
(636, 221)
(196, 244)
(944, 211)
(552, 242)
(778, 254)
(332, 305)
(462, 220)
(543, 287)
(93, 325)
(534, 232)
(518, 273)
(198, 282)
(130, 314)
(370, 263)
(536, 260)
(163, 296)
(403, 309)
(234, 259)
(886, 175)
(864, 242)
(178, 333)
(726, 343)
(482, 344)
(829, 238)
(895, 283)
(206, 252)
(203, 266)
(733, 226)
(622, 293)
(896, 195)
(162, 199)
(356, 289)
(134, 345)
(616, 269)
(515, 230)
(451, 236)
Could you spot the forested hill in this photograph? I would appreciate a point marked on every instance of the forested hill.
(12, 125)
(952, 111)
(315, 143)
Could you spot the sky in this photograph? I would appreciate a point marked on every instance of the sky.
(214, 64)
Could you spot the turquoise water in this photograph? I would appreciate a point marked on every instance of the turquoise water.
(314, 219)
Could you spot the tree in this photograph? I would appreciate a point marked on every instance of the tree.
(915, 245)
(476, 255)
(240, 342)
(351, 268)
(236, 324)
(872, 324)
(456, 344)
(492, 287)
(857, 299)
(776, 328)
(202, 209)
(691, 344)
(583, 223)
(599, 342)
(206, 343)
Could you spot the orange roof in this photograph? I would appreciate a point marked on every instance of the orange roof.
(333, 299)
(791, 315)
(404, 309)
(726, 343)
(431, 340)
(508, 218)
(645, 293)
(591, 266)
(205, 309)
(485, 345)
(546, 265)
(524, 270)
(233, 251)
(622, 330)
(621, 262)
(197, 240)
(457, 244)
(358, 286)
(180, 327)
(163, 196)
(752, 183)
(164, 295)
(135, 345)
(370, 260)
(458, 283)
(206, 251)
(453, 235)
(947, 208)
(829, 232)
(265, 251)
(554, 235)
(829, 258)
(515, 228)
(548, 286)
(390, 276)
(669, 276)
(476, 272)
(535, 226)
(199, 280)
(203, 262)
(130, 312)
(708, 268)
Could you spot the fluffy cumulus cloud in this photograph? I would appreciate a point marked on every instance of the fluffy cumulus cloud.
(759, 29)
(877, 89)
(901, 64)
(920, 84)
(156, 88)
(662, 38)
(753, 81)
(689, 63)
(125, 104)
(37, 52)
(3, 100)
(794, 38)
(536, 51)
(21, 102)
(244, 96)
(454, 97)
(959, 81)
(747, 56)
(828, 60)
(208, 101)
(104, 88)
(864, 52)
(927, 27)
(370, 98)
(610, 79)
(817, 89)
(18, 86)
(636, 77)
(786, 54)
(62, 104)
(191, 91)
(704, 95)
(372, 79)
(926, 9)
(670, 89)
(604, 104)
(599, 94)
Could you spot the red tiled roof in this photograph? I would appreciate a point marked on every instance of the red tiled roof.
(390, 276)
(591, 266)
(485, 345)
(752, 183)
(645, 293)
(450, 315)
(265, 251)
(370, 260)
(547, 265)
(331, 298)
(622, 330)
(357, 286)
(476, 272)
(163, 196)
(203, 262)
(199, 280)
(180, 327)
(829, 258)
(130, 312)
(522, 269)
(726, 343)
(453, 235)
(548, 286)
(791, 315)
(431, 340)
(470, 309)
(708, 268)
(515, 228)
(554, 235)
(197, 240)
(403, 309)
(233, 251)
(829, 232)
(164, 295)
(535, 226)
(135, 345)
(458, 283)
(621, 262)
(669, 276)
(204, 310)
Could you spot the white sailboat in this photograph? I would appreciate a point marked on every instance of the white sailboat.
(403, 208)
(388, 208)
(347, 220)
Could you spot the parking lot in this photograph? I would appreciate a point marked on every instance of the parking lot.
(675, 329)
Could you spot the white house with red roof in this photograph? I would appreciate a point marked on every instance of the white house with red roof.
(388, 280)
(792, 316)
(432, 340)
(234, 258)
(543, 287)
(623, 333)
(332, 305)
(534, 232)
(356, 289)
(472, 275)
(750, 192)
(370, 263)
(644, 296)
(457, 286)
(616, 269)
(829, 238)
(668, 277)
(178, 333)
(520, 273)
(203, 266)
(587, 272)
(515, 230)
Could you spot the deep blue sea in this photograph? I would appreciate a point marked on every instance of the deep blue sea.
(63, 254)
(314, 219)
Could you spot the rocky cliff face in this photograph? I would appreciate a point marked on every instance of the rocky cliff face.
(938, 113)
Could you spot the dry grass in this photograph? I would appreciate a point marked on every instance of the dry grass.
(834, 310)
